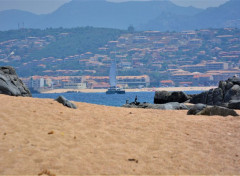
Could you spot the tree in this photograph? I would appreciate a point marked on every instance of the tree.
(131, 29)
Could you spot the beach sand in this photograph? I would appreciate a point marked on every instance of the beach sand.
(131, 90)
(41, 134)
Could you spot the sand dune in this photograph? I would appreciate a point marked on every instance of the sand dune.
(41, 134)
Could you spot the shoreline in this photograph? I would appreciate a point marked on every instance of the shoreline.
(129, 90)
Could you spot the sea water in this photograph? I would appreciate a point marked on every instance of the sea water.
(105, 99)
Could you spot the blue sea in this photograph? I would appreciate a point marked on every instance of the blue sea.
(104, 99)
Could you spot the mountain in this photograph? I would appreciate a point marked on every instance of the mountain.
(10, 19)
(226, 15)
(143, 15)
(220, 16)
(97, 13)
(112, 15)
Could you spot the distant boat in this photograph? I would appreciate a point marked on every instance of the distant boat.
(115, 90)
(113, 81)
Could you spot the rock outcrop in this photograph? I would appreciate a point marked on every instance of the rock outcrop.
(10, 84)
(227, 90)
(196, 109)
(234, 104)
(217, 110)
(167, 106)
(201, 109)
(162, 97)
(66, 102)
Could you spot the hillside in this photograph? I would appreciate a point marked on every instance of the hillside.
(31, 47)
(88, 51)
(78, 40)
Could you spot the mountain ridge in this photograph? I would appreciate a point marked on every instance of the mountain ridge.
(143, 15)
(213, 17)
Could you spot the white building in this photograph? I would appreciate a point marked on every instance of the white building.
(71, 85)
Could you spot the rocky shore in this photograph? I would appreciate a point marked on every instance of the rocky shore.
(217, 101)
(167, 106)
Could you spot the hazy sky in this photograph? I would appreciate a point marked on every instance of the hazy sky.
(47, 6)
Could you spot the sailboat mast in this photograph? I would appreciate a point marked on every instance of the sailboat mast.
(112, 74)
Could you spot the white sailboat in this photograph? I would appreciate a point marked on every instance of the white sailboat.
(113, 80)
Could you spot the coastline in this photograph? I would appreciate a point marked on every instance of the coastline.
(130, 90)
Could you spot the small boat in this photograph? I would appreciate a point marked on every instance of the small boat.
(113, 81)
(115, 90)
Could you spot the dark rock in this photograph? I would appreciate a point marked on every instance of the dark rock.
(10, 84)
(167, 106)
(234, 104)
(232, 94)
(222, 85)
(229, 85)
(200, 98)
(234, 80)
(217, 110)
(196, 109)
(191, 96)
(66, 102)
(162, 97)
(227, 90)
(217, 96)
(209, 99)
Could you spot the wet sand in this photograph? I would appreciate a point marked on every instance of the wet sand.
(41, 134)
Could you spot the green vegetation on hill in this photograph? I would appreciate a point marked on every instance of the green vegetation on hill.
(57, 52)
(22, 34)
(78, 40)
(32, 45)
(66, 42)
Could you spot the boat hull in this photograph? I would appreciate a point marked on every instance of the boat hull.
(115, 91)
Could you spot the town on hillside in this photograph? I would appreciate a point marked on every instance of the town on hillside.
(144, 59)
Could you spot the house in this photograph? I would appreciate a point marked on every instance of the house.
(166, 83)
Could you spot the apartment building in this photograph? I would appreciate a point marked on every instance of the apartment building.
(71, 85)
(122, 81)
(217, 66)
(194, 68)
(134, 81)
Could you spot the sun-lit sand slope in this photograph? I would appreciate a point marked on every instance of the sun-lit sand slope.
(39, 134)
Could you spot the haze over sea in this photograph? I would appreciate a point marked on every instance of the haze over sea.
(104, 99)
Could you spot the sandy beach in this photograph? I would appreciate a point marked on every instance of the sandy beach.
(131, 90)
(41, 134)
